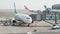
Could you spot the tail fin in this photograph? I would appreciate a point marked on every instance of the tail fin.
(27, 8)
(46, 8)
(14, 8)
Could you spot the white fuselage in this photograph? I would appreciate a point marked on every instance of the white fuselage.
(23, 17)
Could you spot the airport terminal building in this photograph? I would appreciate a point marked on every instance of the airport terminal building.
(50, 15)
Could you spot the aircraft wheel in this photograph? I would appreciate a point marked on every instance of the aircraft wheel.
(28, 25)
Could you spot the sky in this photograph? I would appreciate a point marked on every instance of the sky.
(31, 4)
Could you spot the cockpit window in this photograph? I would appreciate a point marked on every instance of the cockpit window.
(27, 18)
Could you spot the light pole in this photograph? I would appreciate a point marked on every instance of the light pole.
(55, 18)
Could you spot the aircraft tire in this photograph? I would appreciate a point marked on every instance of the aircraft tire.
(28, 25)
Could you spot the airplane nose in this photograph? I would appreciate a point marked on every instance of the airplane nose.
(29, 21)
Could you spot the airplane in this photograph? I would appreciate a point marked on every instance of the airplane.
(27, 8)
(30, 10)
(24, 18)
(46, 8)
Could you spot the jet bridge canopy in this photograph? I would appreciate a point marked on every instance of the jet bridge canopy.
(56, 6)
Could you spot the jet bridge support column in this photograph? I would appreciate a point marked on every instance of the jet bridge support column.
(55, 18)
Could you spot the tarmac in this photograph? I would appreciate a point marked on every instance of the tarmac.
(38, 27)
